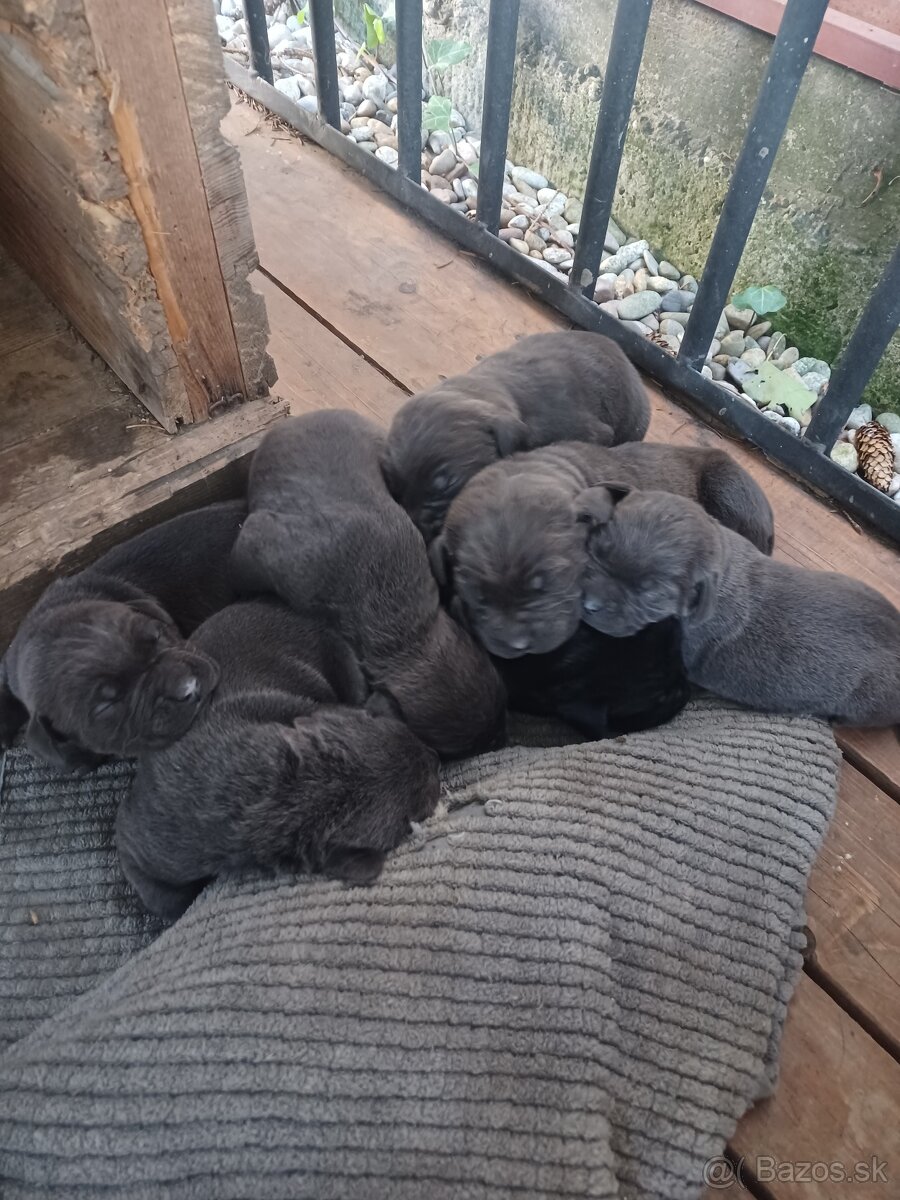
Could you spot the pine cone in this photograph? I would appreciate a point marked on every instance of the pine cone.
(661, 340)
(876, 455)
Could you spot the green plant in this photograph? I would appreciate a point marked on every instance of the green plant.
(440, 55)
(374, 29)
(437, 114)
(774, 387)
(302, 15)
(763, 300)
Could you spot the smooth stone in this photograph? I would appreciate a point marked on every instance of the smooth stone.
(672, 328)
(721, 358)
(535, 242)
(552, 208)
(861, 415)
(617, 232)
(722, 326)
(387, 154)
(563, 238)
(651, 322)
(637, 265)
(519, 222)
(537, 254)
(376, 88)
(651, 264)
(573, 211)
(637, 327)
(558, 222)
(845, 455)
(619, 261)
(729, 387)
(668, 271)
(391, 104)
(734, 343)
(641, 276)
(530, 178)
(525, 189)
(278, 33)
(573, 228)
(739, 318)
(466, 152)
(754, 357)
(518, 244)
(641, 304)
(604, 293)
(309, 104)
(657, 283)
(556, 256)
(680, 317)
(718, 371)
(469, 187)
(890, 421)
(894, 486)
(763, 343)
(706, 371)
(457, 120)
(738, 371)
(895, 442)
(289, 87)
(506, 217)
(715, 347)
(382, 136)
(688, 283)
(610, 245)
(759, 329)
(362, 135)
(787, 357)
(443, 163)
(369, 147)
(813, 381)
(506, 235)
(444, 194)
(624, 285)
(546, 194)
(610, 307)
(677, 301)
(817, 366)
(368, 108)
(352, 93)
(232, 8)
(440, 140)
(225, 26)
(792, 424)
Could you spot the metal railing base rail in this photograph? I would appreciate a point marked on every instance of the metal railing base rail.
(732, 413)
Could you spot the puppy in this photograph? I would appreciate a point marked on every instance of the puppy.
(768, 635)
(325, 536)
(551, 387)
(514, 544)
(98, 666)
(603, 686)
(276, 774)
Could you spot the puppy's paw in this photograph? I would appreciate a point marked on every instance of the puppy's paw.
(353, 864)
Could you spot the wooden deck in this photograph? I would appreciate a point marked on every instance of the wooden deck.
(366, 306)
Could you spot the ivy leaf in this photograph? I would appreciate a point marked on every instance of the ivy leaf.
(762, 300)
(444, 52)
(770, 387)
(374, 28)
(437, 114)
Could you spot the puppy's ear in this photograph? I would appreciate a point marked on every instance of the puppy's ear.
(441, 560)
(44, 742)
(595, 505)
(510, 434)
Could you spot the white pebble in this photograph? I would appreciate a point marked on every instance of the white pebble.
(861, 415)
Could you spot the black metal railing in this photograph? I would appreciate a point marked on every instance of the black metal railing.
(806, 456)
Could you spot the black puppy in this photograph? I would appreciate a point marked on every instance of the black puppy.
(325, 536)
(276, 773)
(98, 666)
(551, 387)
(515, 539)
(603, 686)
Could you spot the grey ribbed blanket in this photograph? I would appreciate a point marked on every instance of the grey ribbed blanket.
(571, 984)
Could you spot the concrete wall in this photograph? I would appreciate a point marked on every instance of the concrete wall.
(701, 72)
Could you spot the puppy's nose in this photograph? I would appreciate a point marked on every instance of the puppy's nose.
(520, 643)
(591, 605)
(188, 689)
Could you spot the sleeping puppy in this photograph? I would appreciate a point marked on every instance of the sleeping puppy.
(514, 544)
(277, 773)
(768, 635)
(325, 536)
(98, 667)
(600, 685)
(551, 387)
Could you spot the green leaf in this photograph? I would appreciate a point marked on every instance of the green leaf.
(770, 387)
(474, 168)
(303, 15)
(762, 300)
(444, 52)
(437, 114)
(374, 28)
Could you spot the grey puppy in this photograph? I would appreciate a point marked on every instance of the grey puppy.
(277, 773)
(98, 666)
(514, 546)
(768, 635)
(325, 536)
(550, 387)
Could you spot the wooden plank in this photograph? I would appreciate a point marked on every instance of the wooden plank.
(730, 1191)
(156, 145)
(875, 752)
(316, 369)
(113, 499)
(27, 316)
(836, 1103)
(853, 902)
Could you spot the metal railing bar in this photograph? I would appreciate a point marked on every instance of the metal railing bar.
(499, 70)
(321, 27)
(626, 49)
(409, 88)
(868, 341)
(733, 413)
(258, 37)
(784, 72)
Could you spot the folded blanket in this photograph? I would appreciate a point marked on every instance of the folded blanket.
(570, 983)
